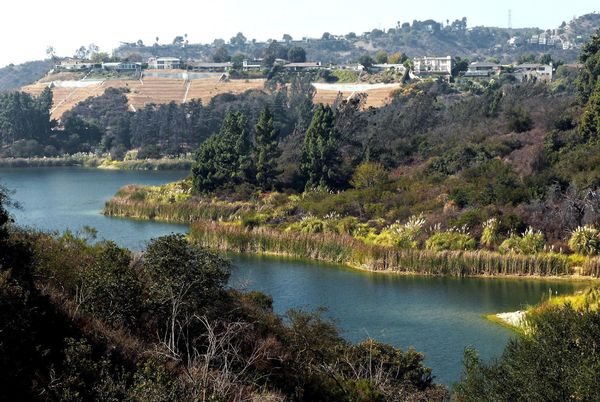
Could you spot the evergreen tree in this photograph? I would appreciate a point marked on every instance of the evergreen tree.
(590, 120)
(267, 150)
(321, 158)
(225, 159)
(590, 58)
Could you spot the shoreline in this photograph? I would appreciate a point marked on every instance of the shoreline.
(94, 162)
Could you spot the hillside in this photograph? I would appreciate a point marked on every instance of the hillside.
(418, 38)
(16, 76)
(67, 94)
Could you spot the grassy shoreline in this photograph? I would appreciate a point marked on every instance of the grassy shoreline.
(97, 162)
(238, 226)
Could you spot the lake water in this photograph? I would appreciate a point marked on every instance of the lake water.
(437, 316)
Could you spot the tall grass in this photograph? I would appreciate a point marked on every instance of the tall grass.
(347, 250)
(131, 202)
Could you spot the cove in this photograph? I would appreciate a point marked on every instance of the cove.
(437, 316)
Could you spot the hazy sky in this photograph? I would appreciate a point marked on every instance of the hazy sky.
(28, 27)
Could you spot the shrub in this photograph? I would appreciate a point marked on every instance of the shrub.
(369, 175)
(450, 240)
(403, 236)
(530, 242)
(308, 224)
(490, 235)
(585, 240)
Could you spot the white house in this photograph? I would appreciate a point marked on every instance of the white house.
(433, 65)
(122, 66)
(164, 63)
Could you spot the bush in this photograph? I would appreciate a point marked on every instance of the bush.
(519, 120)
(403, 236)
(530, 242)
(450, 240)
(308, 224)
(490, 235)
(585, 240)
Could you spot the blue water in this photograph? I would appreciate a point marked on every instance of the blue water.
(437, 316)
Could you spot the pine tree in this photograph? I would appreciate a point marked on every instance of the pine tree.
(590, 121)
(225, 159)
(267, 150)
(321, 160)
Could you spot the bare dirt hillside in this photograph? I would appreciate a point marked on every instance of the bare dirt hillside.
(67, 94)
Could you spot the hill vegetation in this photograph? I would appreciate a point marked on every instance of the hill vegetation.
(13, 77)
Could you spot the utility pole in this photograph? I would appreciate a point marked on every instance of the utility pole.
(509, 19)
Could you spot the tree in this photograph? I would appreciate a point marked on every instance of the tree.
(381, 57)
(546, 58)
(238, 40)
(366, 61)
(590, 58)
(557, 360)
(326, 36)
(51, 53)
(81, 53)
(297, 54)
(183, 280)
(225, 158)
(590, 120)
(397, 58)
(321, 158)
(267, 150)
(287, 38)
(221, 55)
(460, 64)
(369, 175)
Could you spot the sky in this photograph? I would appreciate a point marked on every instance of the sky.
(28, 27)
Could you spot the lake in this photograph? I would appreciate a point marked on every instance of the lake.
(437, 316)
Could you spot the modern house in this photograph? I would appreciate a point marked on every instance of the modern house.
(122, 66)
(426, 65)
(164, 63)
(537, 72)
(74, 65)
(480, 69)
(209, 67)
(252, 64)
(308, 65)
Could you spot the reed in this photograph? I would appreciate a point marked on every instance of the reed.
(137, 202)
(347, 250)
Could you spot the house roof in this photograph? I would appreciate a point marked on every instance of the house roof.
(532, 65)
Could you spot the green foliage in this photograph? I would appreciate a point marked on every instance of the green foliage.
(490, 236)
(369, 175)
(405, 236)
(530, 242)
(308, 224)
(110, 288)
(296, 54)
(381, 57)
(585, 240)
(588, 77)
(558, 361)
(321, 159)
(519, 120)
(589, 127)
(450, 240)
(267, 150)
(225, 158)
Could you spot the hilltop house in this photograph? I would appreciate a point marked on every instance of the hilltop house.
(433, 65)
(252, 64)
(480, 69)
(527, 72)
(74, 65)
(122, 66)
(209, 67)
(164, 63)
(308, 65)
